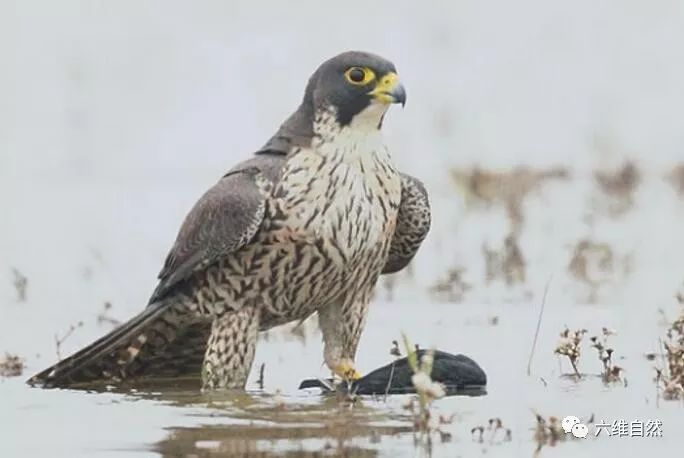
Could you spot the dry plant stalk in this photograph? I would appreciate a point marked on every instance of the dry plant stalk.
(548, 431)
(671, 377)
(495, 437)
(428, 390)
(452, 287)
(60, 340)
(569, 346)
(103, 317)
(611, 372)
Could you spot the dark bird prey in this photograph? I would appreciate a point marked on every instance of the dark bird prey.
(457, 374)
(306, 225)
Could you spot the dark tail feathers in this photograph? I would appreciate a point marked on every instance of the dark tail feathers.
(131, 349)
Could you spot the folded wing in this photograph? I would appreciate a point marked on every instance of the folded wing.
(413, 224)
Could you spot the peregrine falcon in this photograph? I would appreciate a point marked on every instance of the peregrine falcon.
(308, 224)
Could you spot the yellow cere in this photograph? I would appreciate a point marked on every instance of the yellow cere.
(385, 86)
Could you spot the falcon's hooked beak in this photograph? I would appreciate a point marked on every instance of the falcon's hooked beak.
(389, 90)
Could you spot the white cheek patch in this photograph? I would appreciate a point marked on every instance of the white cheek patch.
(568, 422)
(580, 430)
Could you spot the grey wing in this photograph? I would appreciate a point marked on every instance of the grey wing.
(225, 219)
(413, 224)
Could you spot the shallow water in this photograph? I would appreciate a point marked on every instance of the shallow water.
(181, 421)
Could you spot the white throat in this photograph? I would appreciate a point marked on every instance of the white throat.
(370, 117)
(363, 132)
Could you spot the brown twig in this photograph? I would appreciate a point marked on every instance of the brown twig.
(103, 317)
(60, 340)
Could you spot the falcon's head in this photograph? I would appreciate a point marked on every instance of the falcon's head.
(357, 87)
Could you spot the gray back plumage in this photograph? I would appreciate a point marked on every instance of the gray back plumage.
(226, 218)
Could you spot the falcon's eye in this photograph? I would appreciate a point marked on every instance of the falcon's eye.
(359, 76)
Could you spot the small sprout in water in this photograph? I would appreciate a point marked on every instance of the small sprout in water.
(478, 433)
(395, 351)
(20, 284)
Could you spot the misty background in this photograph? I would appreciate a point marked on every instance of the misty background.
(549, 134)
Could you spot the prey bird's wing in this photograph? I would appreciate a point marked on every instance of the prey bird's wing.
(224, 220)
(413, 224)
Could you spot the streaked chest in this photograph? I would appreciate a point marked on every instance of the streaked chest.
(345, 194)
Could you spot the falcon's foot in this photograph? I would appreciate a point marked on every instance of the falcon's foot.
(345, 369)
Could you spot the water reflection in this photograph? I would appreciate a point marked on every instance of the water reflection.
(262, 424)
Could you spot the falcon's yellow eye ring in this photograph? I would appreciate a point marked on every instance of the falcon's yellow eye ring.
(359, 76)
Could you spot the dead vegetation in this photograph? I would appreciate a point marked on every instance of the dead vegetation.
(670, 376)
(676, 179)
(509, 189)
(425, 423)
(507, 264)
(11, 366)
(611, 372)
(595, 264)
(494, 433)
(452, 287)
(104, 318)
(570, 346)
(548, 431)
(619, 186)
(60, 340)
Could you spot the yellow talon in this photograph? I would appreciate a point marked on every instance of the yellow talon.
(345, 369)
